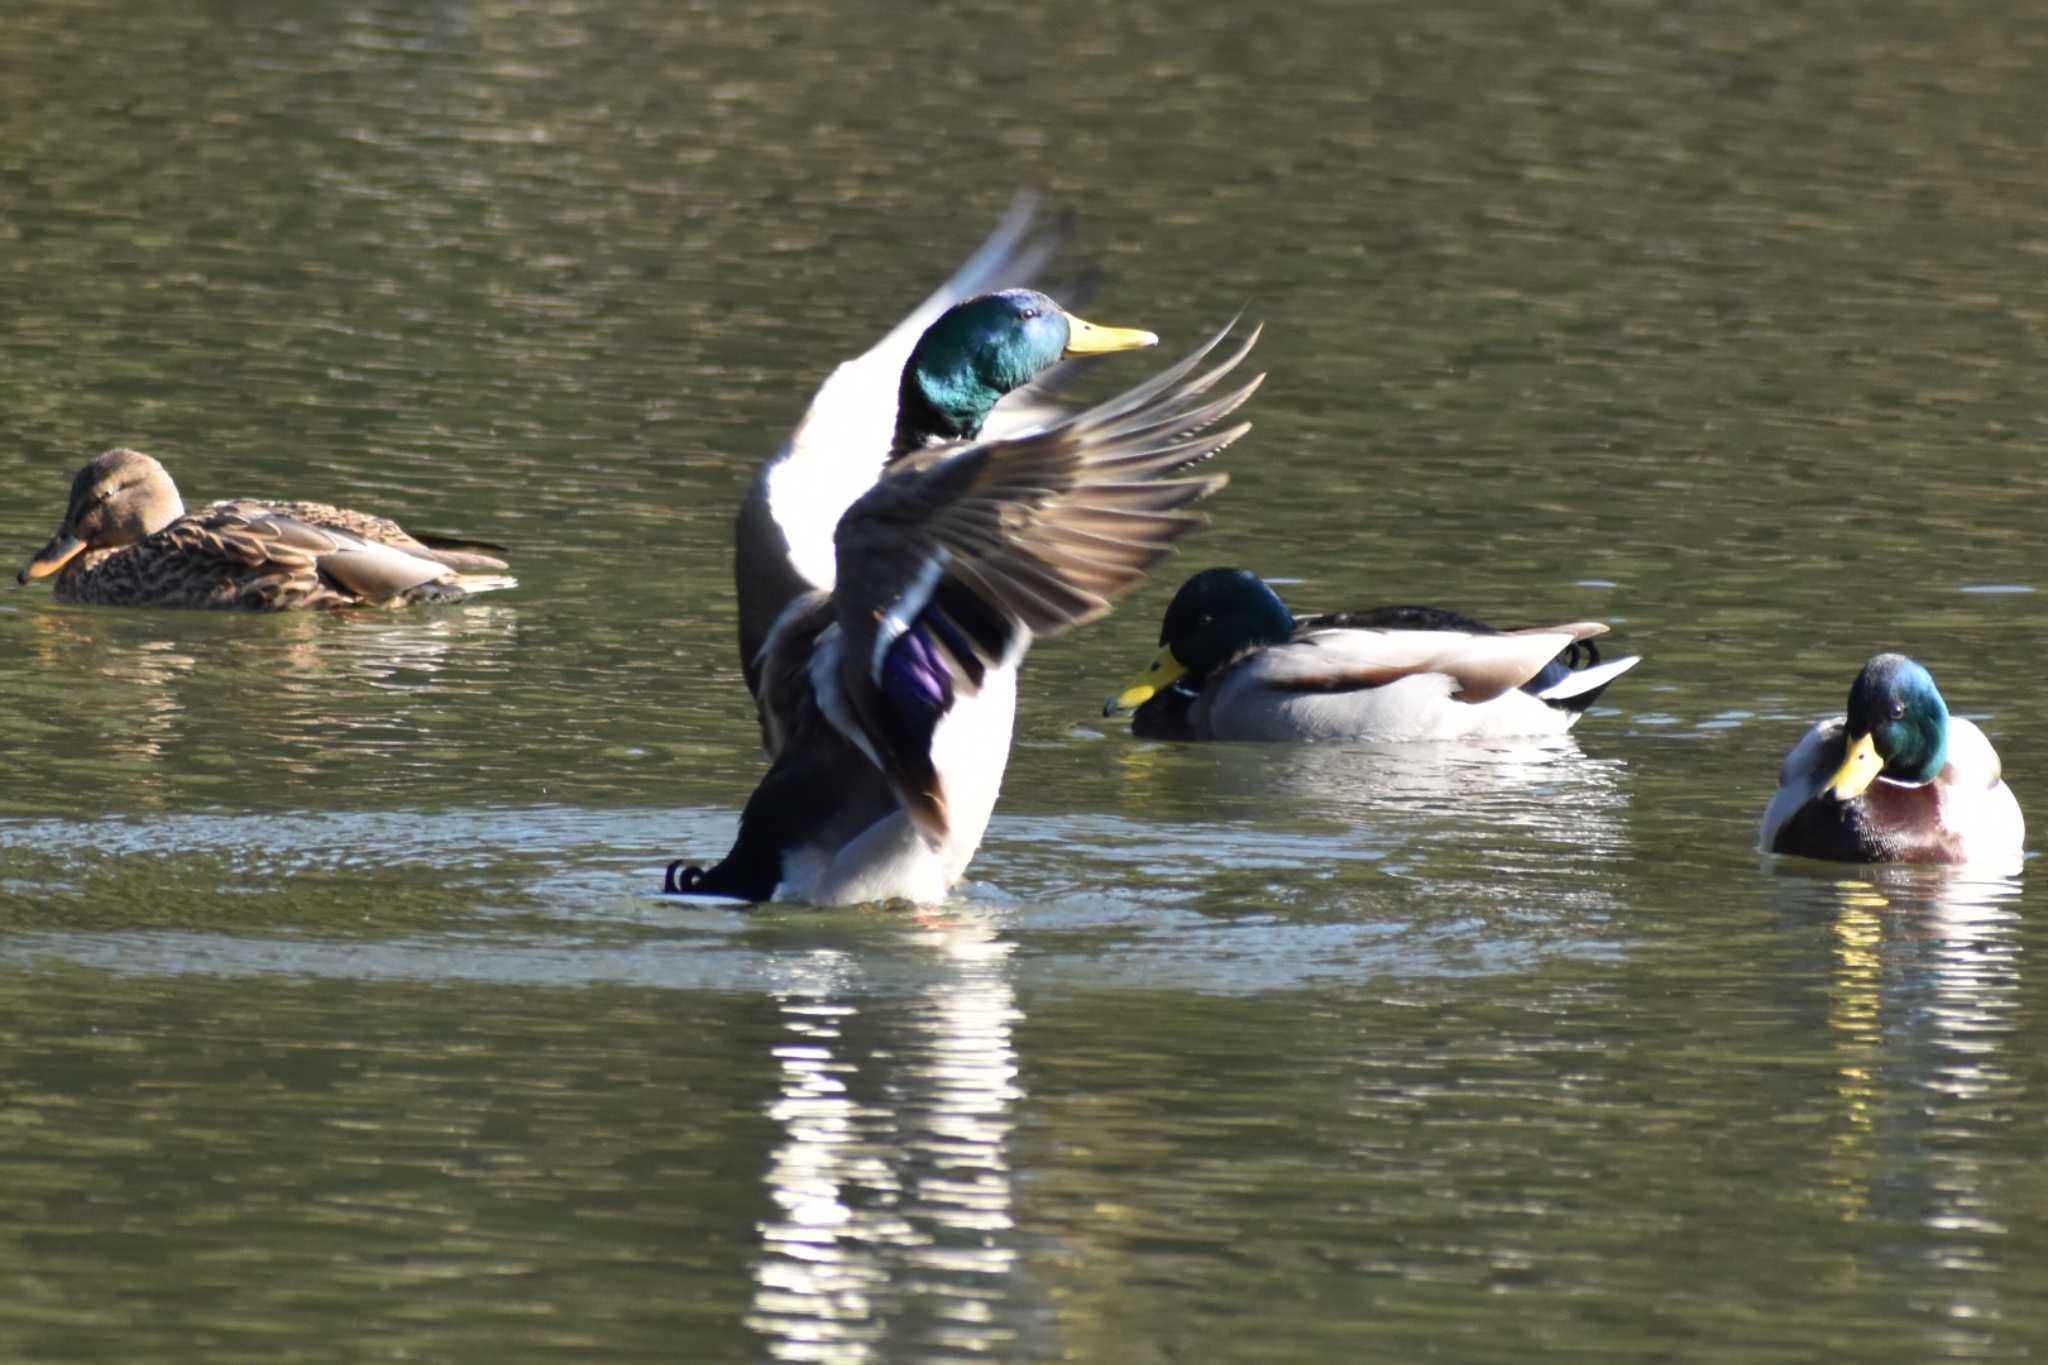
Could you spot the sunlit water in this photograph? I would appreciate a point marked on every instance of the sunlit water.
(338, 1021)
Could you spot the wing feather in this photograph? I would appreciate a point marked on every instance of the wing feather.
(462, 555)
(841, 444)
(1481, 666)
(854, 410)
(1012, 538)
(273, 554)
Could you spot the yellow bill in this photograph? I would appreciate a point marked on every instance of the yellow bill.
(1858, 770)
(1164, 672)
(54, 556)
(1091, 338)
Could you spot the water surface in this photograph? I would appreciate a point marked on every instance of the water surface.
(337, 1020)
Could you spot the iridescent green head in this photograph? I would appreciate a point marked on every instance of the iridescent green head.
(1897, 727)
(987, 347)
(1217, 615)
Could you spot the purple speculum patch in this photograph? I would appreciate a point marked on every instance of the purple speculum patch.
(916, 677)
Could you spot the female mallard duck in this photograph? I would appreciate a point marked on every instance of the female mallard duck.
(935, 378)
(127, 540)
(888, 700)
(1896, 780)
(1235, 663)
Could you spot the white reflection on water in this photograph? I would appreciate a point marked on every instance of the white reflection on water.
(1386, 794)
(1416, 833)
(1097, 900)
(134, 647)
(1923, 996)
(194, 692)
(147, 672)
(895, 1231)
(1499, 792)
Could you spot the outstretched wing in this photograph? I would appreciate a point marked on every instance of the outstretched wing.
(1015, 253)
(951, 563)
(845, 434)
(838, 450)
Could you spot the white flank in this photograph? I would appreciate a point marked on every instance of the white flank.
(1518, 715)
(1976, 800)
(889, 860)
(1417, 707)
(970, 750)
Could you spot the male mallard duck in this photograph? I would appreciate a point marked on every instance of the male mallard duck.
(1896, 780)
(1235, 663)
(888, 700)
(935, 378)
(127, 540)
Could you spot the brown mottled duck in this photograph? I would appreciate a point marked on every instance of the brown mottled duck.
(127, 540)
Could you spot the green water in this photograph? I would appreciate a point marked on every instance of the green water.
(335, 1023)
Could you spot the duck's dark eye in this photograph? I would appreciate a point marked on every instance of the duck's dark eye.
(1030, 313)
(1898, 710)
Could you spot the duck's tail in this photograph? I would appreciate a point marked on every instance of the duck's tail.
(463, 554)
(458, 587)
(1580, 689)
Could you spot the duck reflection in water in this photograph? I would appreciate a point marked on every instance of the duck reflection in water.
(100, 659)
(894, 1234)
(326, 685)
(1519, 820)
(1923, 1000)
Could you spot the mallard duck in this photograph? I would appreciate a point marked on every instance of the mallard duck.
(127, 540)
(1896, 780)
(1235, 663)
(889, 699)
(935, 378)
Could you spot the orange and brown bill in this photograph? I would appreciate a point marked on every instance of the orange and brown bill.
(61, 550)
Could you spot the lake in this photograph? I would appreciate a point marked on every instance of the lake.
(339, 1023)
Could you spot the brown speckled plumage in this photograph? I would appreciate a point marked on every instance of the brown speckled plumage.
(128, 541)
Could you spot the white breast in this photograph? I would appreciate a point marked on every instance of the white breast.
(970, 750)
